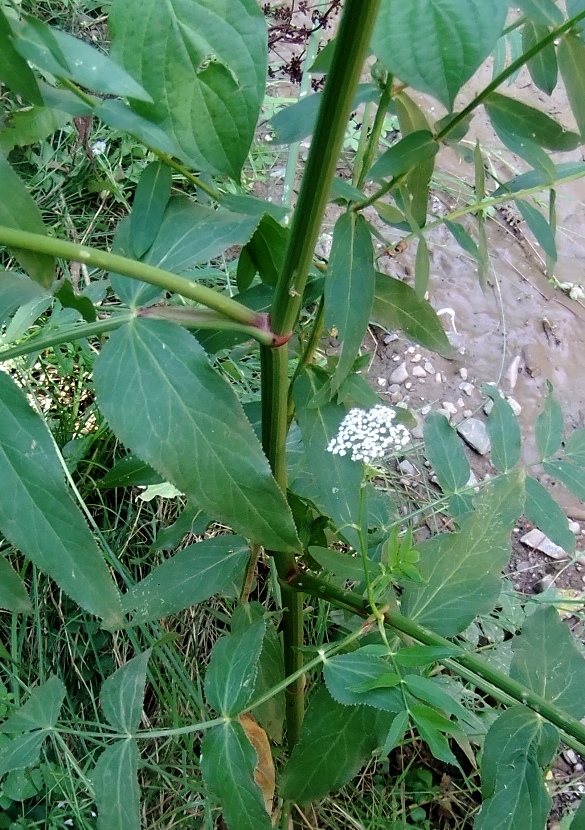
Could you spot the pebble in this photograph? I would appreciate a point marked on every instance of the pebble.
(408, 385)
(394, 387)
(472, 480)
(449, 407)
(438, 378)
(416, 359)
(574, 527)
(400, 374)
(474, 432)
(460, 403)
(522, 566)
(488, 406)
(429, 368)
(418, 372)
(467, 388)
(463, 373)
(395, 397)
(410, 350)
(537, 540)
(381, 381)
(426, 409)
(516, 408)
(417, 432)
(396, 358)
(390, 338)
(406, 468)
(467, 413)
(571, 756)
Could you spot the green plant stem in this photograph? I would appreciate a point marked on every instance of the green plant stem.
(376, 131)
(508, 72)
(13, 238)
(308, 352)
(66, 335)
(204, 318)
(352, 41)
(476, 670)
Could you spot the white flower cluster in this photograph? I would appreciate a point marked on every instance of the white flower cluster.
(368, 434)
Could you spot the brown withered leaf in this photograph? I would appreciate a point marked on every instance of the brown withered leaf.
(264, 772)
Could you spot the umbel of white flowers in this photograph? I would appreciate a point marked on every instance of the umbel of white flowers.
(369, 434)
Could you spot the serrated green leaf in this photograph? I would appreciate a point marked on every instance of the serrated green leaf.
(340, 564)
(414, 149)
(544, 512)
(231, 676)
(539, 227)
(444, 450)
(512, 785)
(22, 751)
(270, 671)
(395, 733)
(461, 571)
(349, 289)
(520, 119)
(545, 12)
(344, 672)
(14, 70)
(543, 66)
(504, 431)
(423, 655)
(13, 595)
(40, 711)
(69, 299)
(117, 792)
(228, 760)
(150, 200)
(574, 446)
(396, 306)
(266, 249)
(384, 681)
(437, 45)
(65, 56)
(572, 477)
(548, 430)
(337, 480)
(205, 71)
(429, 723)
(29, 126)
(547, 661)
(16, 290)
(38, 514)
(431, 693)
(190, 576)
(335, 742)
(571, 58)
(154, 373)
(21, 212)
(122, 694)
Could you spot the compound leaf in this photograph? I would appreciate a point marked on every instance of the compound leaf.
(231, 676)
(117, 792)
(122, 694)
(547, 661)
(193, 430)
(461, 571)
(204, 66)
(349, 289)
(190, 576)
(435, 46)
(445, 453)
(228, 760)
(38, 514)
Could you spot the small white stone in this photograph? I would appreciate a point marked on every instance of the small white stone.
(489, 405)
(475, 433)
(460, 403)
(410, 350)
(574, 527)
(400, 374)
(417, 432)
(390, 338)
(449, 407)
(408, 385)
(467, 413)
(396, 358)
(406, 468)
(438, 378)
(418, 372)
(516, 408)
(429, 368)
(536, 539)
(395, 387)
(381, 381)
(467, 388)
(463, 373)
(395, 397)
(416, 359)
(425, 410)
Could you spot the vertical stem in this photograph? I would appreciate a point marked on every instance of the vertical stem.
(352, 41)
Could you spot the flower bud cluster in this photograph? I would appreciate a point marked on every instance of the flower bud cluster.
(369, 434)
